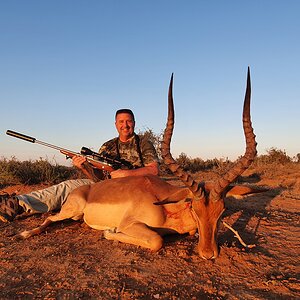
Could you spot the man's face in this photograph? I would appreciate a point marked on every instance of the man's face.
(125, 126)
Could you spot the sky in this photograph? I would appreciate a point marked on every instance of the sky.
(67, 66)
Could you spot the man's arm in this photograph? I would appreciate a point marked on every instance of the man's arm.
(81, 163)
(149, 169)
(150, 162)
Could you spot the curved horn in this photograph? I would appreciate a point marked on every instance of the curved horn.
(165, 149)
(245, 161)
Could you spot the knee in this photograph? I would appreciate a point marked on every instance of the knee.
(156, 243)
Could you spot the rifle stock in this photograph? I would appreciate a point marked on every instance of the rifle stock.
(95, 163)
(102, 163)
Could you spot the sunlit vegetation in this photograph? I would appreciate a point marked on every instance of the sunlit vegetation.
(14, 171)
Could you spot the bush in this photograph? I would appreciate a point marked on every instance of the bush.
(197, 164)
(221, 165)
(297, 158)
(39, 171)
(14, 171)
(273, 156)
(154, 138)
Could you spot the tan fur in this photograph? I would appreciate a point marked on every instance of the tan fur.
(125, 208)
(238, 191)
(140, 210)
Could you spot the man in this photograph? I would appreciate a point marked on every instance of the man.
(127, 146)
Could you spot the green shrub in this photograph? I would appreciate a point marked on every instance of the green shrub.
(273, 156)
(197, 164)
(221, 165)
(14, 171)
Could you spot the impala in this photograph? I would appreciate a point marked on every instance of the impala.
(141, 210)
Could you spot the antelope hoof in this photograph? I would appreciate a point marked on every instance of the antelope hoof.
(23, 235)
(109, 233)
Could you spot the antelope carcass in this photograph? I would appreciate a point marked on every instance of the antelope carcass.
(141, 210)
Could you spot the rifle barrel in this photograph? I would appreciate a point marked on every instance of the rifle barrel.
(21, 136)
(34, 140)
(100, 162)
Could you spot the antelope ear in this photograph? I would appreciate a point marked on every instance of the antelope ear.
(242, 190)
(181, 195)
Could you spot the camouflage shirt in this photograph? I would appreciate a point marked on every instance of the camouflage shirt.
(130, 152)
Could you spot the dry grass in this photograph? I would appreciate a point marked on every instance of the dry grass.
(29, 172)
(14, 171)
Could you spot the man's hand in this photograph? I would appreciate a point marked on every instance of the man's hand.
(78, 161)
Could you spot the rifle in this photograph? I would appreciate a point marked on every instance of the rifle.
(98, 161)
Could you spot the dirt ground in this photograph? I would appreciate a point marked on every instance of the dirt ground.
(73, 261)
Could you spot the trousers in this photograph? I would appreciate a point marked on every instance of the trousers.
(50, 198)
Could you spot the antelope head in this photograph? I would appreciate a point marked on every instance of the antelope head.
(208, 204)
